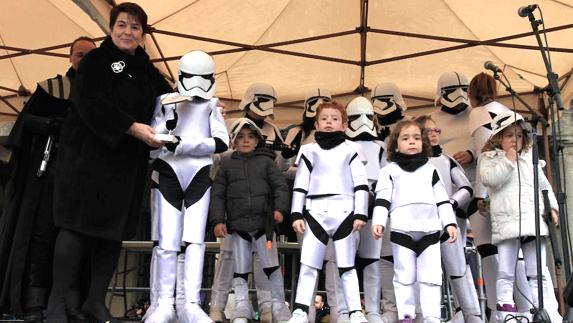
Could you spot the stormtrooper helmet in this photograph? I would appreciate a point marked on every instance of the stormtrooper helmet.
(315, 98)
(260, 98)
(238, 124)
(197, 75)
(452, 92)
(387, 98)
(360, 118)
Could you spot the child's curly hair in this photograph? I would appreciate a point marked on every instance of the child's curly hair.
(393, 139)
(495, 142)
(332, 105)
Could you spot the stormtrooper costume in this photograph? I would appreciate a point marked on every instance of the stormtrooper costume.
(389, 108)
(454, 115)
(362, 131)
(193, 129)
(295, 137)
(416, 222)
(303, 133)
(460, 192)
(258, 103)
(329, 205)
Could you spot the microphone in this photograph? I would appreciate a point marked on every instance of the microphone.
(526, 10)
(489, 65)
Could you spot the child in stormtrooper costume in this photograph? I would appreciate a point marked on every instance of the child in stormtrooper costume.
(460, 192)
(258, 104)
(361, 130)
(250, 189)
(389, 107)
(330, 200)
(297, 136)
(409, 191)
(506, 169)
(454, 110)
(193, 129)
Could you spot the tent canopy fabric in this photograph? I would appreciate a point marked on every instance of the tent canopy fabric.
(296, 45)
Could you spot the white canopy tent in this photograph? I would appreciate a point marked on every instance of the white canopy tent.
(346, 46)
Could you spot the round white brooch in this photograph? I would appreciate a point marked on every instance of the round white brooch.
(117, 67)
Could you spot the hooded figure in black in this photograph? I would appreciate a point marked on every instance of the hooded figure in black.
(27, 231)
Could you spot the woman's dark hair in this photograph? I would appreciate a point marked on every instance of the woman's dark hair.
(82, 38)
(393, 139)
(131, 9)
(482, 88)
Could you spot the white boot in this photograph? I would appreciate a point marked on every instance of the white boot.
(243, 308)
(192, 312)
(372, 275)
(166, 266)
(389, 309)
(280, 312)
(464, 292)
(357, 317)
(506, 313)
(180, 283)
(153, 284)
(298, 316)
(222, 284)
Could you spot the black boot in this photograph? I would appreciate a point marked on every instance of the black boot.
(67, 258)
(73, 308)
(103, 255)
(34, 303)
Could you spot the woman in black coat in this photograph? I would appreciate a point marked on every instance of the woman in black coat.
(103, 156)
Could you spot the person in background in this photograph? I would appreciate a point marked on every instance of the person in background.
(322, 310)
(103, 160)
(27, 231)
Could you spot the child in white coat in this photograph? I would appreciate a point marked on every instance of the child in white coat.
(506, 169)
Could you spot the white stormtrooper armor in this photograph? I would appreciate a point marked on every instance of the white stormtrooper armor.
(416, 222)
(329, 205)
(389, 107)
(303, 133)
(452, 92)
(260, 98)
(459, 189)
(181, 186)
(361, 130)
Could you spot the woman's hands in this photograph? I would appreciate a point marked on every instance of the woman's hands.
(145, 133)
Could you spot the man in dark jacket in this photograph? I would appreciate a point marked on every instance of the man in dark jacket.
(27, 231)
(250, 189)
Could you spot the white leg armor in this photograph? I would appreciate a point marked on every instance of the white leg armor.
(481, 228)
(521, 291)
(507, 255)
(166, 266)
(454, 260)
(390, 311)
(263, 289)
(333, 286)
(369, 251)
(223, 280)
(415, 255)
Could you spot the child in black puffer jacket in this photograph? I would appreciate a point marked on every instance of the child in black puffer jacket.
(248, 190)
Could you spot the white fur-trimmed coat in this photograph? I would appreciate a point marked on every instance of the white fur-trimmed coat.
(500, 176)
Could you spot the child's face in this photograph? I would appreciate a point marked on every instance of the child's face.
(512, 137)
(329, 120)
(246, 141)
(410, 140)
(433, 132)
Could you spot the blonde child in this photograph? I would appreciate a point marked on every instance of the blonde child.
(506, 169)
(410, 191)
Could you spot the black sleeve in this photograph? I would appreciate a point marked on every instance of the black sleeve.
(93, 100)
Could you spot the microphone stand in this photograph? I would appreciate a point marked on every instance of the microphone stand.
(539, 312)
(555, 97)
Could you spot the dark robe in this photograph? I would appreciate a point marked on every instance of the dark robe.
(101, 171)
(27, 231)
